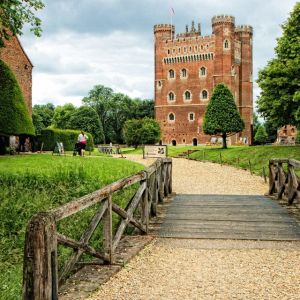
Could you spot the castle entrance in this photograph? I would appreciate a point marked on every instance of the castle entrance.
(195, 142)
(173, 142)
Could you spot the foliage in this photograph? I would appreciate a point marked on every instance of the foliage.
(221, 115)
(298, 137)
(279, 81)
(85, 118)
(14, 116)
(271, 130)
(62, 115)
(42, 115)
(114, 109)
(143, 131)
(261, 135)
(35, 183)
(256, 123)
(14, 14)
(49, 136)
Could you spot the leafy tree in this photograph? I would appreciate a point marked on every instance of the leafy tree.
(14, 14)
(221, 115)
(143, 108)
(42, 115)
(279, 81)
(261, 135)
(256, 123)
(85, 118)
(271, 130)
(298, 137)
(141, 131)
(14, 116)
(62, 115)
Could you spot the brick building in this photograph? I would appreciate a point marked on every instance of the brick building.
(188, 66)
(286, 135)
(15, 57)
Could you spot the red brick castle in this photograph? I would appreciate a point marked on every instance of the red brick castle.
(188, 66)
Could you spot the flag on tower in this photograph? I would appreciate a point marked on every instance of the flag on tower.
(172, 11)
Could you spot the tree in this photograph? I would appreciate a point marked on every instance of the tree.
(62, 115)
(14, 14)
(261, 135)
(14, 115)
(42, 115)
(221, 116)
(271, 130)
(141, 131)
(256, 123)
(85, 118)
(279, 81)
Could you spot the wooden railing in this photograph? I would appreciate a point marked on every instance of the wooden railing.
(40, 277)
(283, 180)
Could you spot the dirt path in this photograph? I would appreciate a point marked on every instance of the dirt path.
(209, 269)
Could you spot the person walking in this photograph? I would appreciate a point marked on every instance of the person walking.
(82, 141)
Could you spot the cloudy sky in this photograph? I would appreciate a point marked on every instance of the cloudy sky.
(110, 42)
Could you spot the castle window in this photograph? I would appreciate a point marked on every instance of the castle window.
(168, 51)
(187, 95)
(226, 44)
(184, 49)
(171, 117)
(204, 95)
(202, 72)
(201, 47)
(171, 96)
(171, 74)
(190, 49)
(179, 50)
(191, 116)
(184, 73)
(159, 84)
(196, 48)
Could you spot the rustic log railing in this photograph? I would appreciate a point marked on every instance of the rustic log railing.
(283, 180)
(40, 275)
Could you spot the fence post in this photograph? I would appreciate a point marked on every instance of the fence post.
(145, 214)
(250, 166)
(238, 161)
(40, 275)
(264, 175)
(107, 229)
(203, 155)
(221, 158)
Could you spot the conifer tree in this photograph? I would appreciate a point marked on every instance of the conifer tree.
(222, 116)
(261, 135)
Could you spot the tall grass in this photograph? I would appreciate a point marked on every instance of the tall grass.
(38, 183)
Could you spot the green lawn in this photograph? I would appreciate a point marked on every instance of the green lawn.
(32, 183)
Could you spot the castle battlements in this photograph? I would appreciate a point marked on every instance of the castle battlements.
(222, 19)
(244, 28)
(163, 27)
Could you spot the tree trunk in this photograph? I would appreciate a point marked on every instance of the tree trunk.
(224, 141)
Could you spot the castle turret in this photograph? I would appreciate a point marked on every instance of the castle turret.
(244, 34)
(223, 29)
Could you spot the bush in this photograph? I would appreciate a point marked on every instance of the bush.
(298, 136)
(14, 115)
(50, 136)
(261, 135)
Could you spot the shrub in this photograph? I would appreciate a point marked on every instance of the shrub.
(298, 136)
(261, 135)
(14, 115)
(50, 136)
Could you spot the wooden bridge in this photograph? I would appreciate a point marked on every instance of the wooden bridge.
(188, 216)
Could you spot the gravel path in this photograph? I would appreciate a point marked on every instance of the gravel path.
(209, 269)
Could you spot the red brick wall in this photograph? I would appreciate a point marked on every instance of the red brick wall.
(14, 56)
(191, 51)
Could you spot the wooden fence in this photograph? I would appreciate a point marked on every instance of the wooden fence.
(40, 275)
(283, 180)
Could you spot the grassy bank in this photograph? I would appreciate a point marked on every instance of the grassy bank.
(32, 183)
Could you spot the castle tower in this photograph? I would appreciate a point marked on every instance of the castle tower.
(187, 68)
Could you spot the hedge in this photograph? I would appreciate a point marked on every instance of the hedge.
(14, 115)
(49, 136)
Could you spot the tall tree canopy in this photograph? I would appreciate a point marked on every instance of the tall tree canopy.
(221, 115)
(114, 109)
(14, 115)
(14, 14)
(42, 115)
(279, 81)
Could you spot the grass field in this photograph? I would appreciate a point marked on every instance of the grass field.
(32, 183)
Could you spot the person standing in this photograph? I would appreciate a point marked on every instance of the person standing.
(82, 141)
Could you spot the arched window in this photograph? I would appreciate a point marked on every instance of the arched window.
(226, 44)
(187, 95)
(171, 96)
(183, 73)
(202, 71)
(171, 117)
(171, 73)
(204, 95)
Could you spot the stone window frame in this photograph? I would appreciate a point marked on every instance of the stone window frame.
(169, 115)
(159, 84)
(182, 73)
(226, 44)
(189, 115)
(169, 74)
(168, 97)
(201, 95)
(184, 96)
(200, 72)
